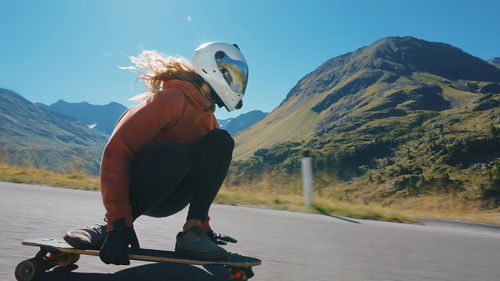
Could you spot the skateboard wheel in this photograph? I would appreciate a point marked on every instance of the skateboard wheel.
(29, 270)
(240, 273)
(66, 259)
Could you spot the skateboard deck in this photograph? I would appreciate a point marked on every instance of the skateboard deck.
(56, 252)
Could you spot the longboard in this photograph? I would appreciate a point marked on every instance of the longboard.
(56, 252)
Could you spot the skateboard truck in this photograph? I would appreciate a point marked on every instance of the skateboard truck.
(47, 258)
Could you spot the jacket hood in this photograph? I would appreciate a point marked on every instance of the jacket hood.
(191, 92)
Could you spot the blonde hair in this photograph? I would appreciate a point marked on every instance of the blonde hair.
(154, 68)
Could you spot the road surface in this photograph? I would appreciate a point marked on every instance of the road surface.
(292, 246)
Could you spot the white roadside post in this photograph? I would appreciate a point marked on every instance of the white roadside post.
(307, 178)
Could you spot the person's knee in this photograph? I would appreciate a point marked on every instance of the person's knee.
(222, 138)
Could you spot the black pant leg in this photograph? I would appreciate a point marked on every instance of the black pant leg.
(211, 156)
(156, 173)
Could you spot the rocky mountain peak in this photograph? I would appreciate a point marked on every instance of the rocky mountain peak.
(399, 56)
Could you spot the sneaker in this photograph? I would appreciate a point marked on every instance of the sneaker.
(89, 238)
(194, 243)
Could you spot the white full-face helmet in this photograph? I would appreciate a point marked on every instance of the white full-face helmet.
(224, 68)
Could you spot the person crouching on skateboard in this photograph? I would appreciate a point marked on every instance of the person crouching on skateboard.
(168, 152)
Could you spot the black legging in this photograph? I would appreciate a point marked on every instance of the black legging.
(167, 177)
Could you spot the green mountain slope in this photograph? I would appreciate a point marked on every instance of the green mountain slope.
(402, 112)
(35, 136)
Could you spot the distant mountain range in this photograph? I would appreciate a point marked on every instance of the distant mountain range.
(242, 122)
(35, 136)
(495, 61)
(67, 136)
(101, 118)
(402, 112)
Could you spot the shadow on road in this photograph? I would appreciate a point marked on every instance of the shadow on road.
(324, 212)
(149, 272)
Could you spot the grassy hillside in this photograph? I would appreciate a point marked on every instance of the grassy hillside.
(384, 128)
(37, 137)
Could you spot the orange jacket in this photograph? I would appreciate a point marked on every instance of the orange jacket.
(176, 114)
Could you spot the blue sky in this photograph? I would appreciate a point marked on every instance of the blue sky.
(71, 50)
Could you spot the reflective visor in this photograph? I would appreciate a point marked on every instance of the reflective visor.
(235, 72)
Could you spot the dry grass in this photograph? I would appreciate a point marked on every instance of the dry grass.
(407, 210)
(74, 179)
(448, 207)
(293, 202)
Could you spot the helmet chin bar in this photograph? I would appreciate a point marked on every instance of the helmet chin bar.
(216, 98)
(219, 102)
(240, 104)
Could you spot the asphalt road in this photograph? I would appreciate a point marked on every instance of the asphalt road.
(292, 246)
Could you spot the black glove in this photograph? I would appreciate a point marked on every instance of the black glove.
(220, 239)
(115, 247)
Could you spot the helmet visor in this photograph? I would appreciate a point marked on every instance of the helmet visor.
(235, 72)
